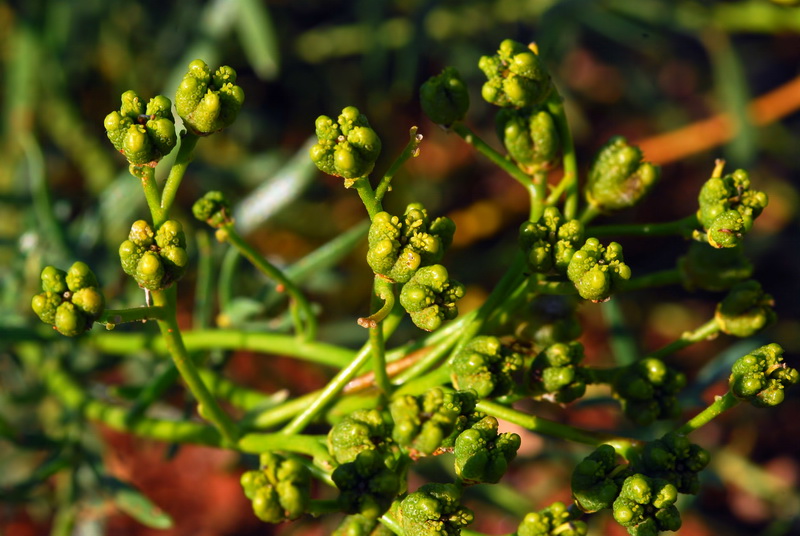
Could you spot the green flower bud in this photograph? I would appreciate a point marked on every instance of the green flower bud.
(71, 300)
(434, 510)
(366, 485)
(214, 209)
(676, 460)
(358, 525)
(430, 296)
(761, 376)
(597, 270)
(516, 76)
(421, 423)
(709, 268)
(280, 490)
(618, 178)
(746, 310)
(646, 506)
(555, 374)
(143, 135)
(347, 148)
(485, 366)
(208, 103)
(444, 98)
(361, 430)
(399, 246)
(647, 390)
(728, 207)
(483, 455)
(596, 480)
(550, 242)
(154, 260)
(555, 520)
(549, 319)
(529, 136)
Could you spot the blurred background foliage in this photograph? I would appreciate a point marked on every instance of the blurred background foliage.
(633, 68)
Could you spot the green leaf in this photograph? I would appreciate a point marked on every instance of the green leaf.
(135, 504)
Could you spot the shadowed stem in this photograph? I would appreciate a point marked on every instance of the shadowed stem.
(720, 405)
(182, 160)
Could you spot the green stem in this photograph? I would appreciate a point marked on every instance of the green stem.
(538, 193)
(411, 150)
(499, 160)
(656, 279)
(391, 523)
(367, 195)
(112, 317)
(147, 175)
(264, 266)
(170, 331)
(382, 300)
(541, 425)
(318, 507)
(706, 331)
(303, 444)
(182, 160)
(569, 182)
(682, 227)
(720, 405)
(589, 213)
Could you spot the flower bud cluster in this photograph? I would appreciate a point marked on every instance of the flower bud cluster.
(555, 520)
(214, 209)
(347, 147)
(530, 136)
(618, 177)
(746, 310)
(728, 207)
(555, 373)
(280, 490)
(154, 259)
(434, 510)
(516, 76)
(208, 102)
(597, 270)
(647, 390)
(482, 454)
(444, 97)
(485, 366)
(761, 376)
(143, 134)
(71, 300)
(551, 242)
(430, 297)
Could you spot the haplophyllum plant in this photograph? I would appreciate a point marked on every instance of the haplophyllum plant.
(445, 393)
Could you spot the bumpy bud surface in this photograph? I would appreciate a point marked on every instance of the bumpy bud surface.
(529, 136)
(761, 376)
(550, 242)
(280, 490)
(647, 390)
(154, 260)
(444, 98)
(597, 270)
(143, 134)
(728, 207)
(398, 246)
(746, 310)
(555, 520)
(709, 268)
(213, 208)
(618, 177)
(555, 373)
(208, 102)
(596, 480)
(483, 455)
(676, 460)
(485, 366)
(366, 485)
(646, 506)
(430, 297)
(347, 147)
(361, 430)
(516, 76)
(71, 300)
(434, 510)
(421, 423)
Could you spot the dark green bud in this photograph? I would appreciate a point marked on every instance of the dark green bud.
(434, 510)
(399, 246)
(143, 135)
(709, 268)
(555, 520)
(746, 310)
(597, 270)
(444, 98)
(516, 76)
(676, 460)
(358, 525)
(555, 373)
(647, 390)
(618, 177)
(596, 480)
(529, 136)
(430, 297)
(361, 430)
(728, 207)
(550, 242)
(280, 490)
(366, 485)
(550, 319)
(646, 506)
(214, 209)
(208, 102)
(346, 148)
(761, 376)
(483, 455)
(485, 366)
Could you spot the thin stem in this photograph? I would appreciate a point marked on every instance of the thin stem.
(147, 175)
(720, 405)
(182, 160)
(382, 300)
(367, 195)
(499, 160)
(264, 266)
(303, 444)
(112, 317)
(682, 227)
(411, 150)
(541, 425)
(569, 182)
(170, 331)
(538, 193)
(707, 331)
